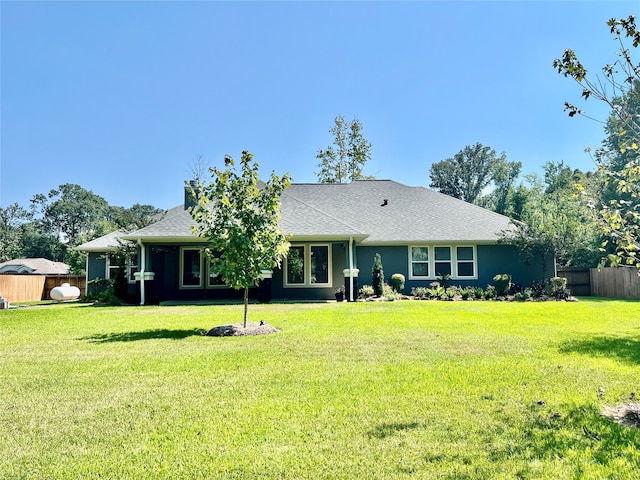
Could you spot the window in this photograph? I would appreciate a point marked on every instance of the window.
(419, 261)
(190, 268)
(442, 256)
(319, 264)
(308, 265)
(112, 266)
(192, 272)
(295, 266)
(131, 266)
(465, 262)
(431, 262)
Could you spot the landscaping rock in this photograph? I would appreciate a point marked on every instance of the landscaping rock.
(237, 330)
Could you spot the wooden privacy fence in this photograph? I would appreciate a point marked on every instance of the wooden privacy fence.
(578, 280)
(22, 288)
(79, 281)
(33, 288)
(620, 282)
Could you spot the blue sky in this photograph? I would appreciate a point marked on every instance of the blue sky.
(123, 97)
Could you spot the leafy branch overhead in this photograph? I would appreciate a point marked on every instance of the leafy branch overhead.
(618, 159)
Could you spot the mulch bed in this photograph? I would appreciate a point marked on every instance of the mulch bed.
(627, 414)
(237, 330)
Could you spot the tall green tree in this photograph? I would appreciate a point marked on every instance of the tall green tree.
(70, 212)
(473, 169)
(239, 218)
(135, 217)
(345, 159)
(556, 221)
(619, 160)
(11, 219)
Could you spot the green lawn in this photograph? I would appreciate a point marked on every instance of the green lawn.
(443, 390)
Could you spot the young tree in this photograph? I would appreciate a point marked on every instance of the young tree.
(471, 170)
(377, 275)
(619, 161)
(238, 216)
(344, 160)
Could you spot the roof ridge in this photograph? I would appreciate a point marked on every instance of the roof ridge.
(322, 212)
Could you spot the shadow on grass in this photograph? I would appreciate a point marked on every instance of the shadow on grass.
(548, 434)
(145, 335)
(626, 349)
(385, 430)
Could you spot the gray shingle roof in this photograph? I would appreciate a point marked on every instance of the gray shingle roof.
(411, 214)
(106, 243)
(339, 211)
(39, 266)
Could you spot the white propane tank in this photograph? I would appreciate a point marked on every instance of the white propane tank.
(64, 292)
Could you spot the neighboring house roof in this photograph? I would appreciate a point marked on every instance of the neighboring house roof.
(370, 211)
(36, 266)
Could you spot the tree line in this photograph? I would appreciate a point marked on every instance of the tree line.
(61, 219)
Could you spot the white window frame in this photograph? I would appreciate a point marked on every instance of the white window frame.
(451, 260)
(411, 262)
(457, 262)
(200, 253)
(306, 273)
(454, 262)
(129, 268)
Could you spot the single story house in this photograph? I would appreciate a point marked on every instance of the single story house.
(335, 230)
(34, 266)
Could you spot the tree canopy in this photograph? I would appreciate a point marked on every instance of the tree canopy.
(556, 220)
(470, 171)
(69, 211)
(62, 219)
(345, 159)
(239, 218)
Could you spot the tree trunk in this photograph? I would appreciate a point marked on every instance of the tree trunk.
(246, 305)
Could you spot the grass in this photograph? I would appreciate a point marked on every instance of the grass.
(443, 390)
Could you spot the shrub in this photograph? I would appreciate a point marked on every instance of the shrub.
(366, 291)
(523, 295)
(538, 289)
(444, 279)
(397, 282)
(465, 293)
(390, 294)
(558, 288)
(451, 292)
(437, 292)
(377, 273)
(478, 292)
(502, 283)
(418, 292)
(490, 292)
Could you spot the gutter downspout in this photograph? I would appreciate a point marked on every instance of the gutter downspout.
(143, 261)
(351, 269)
